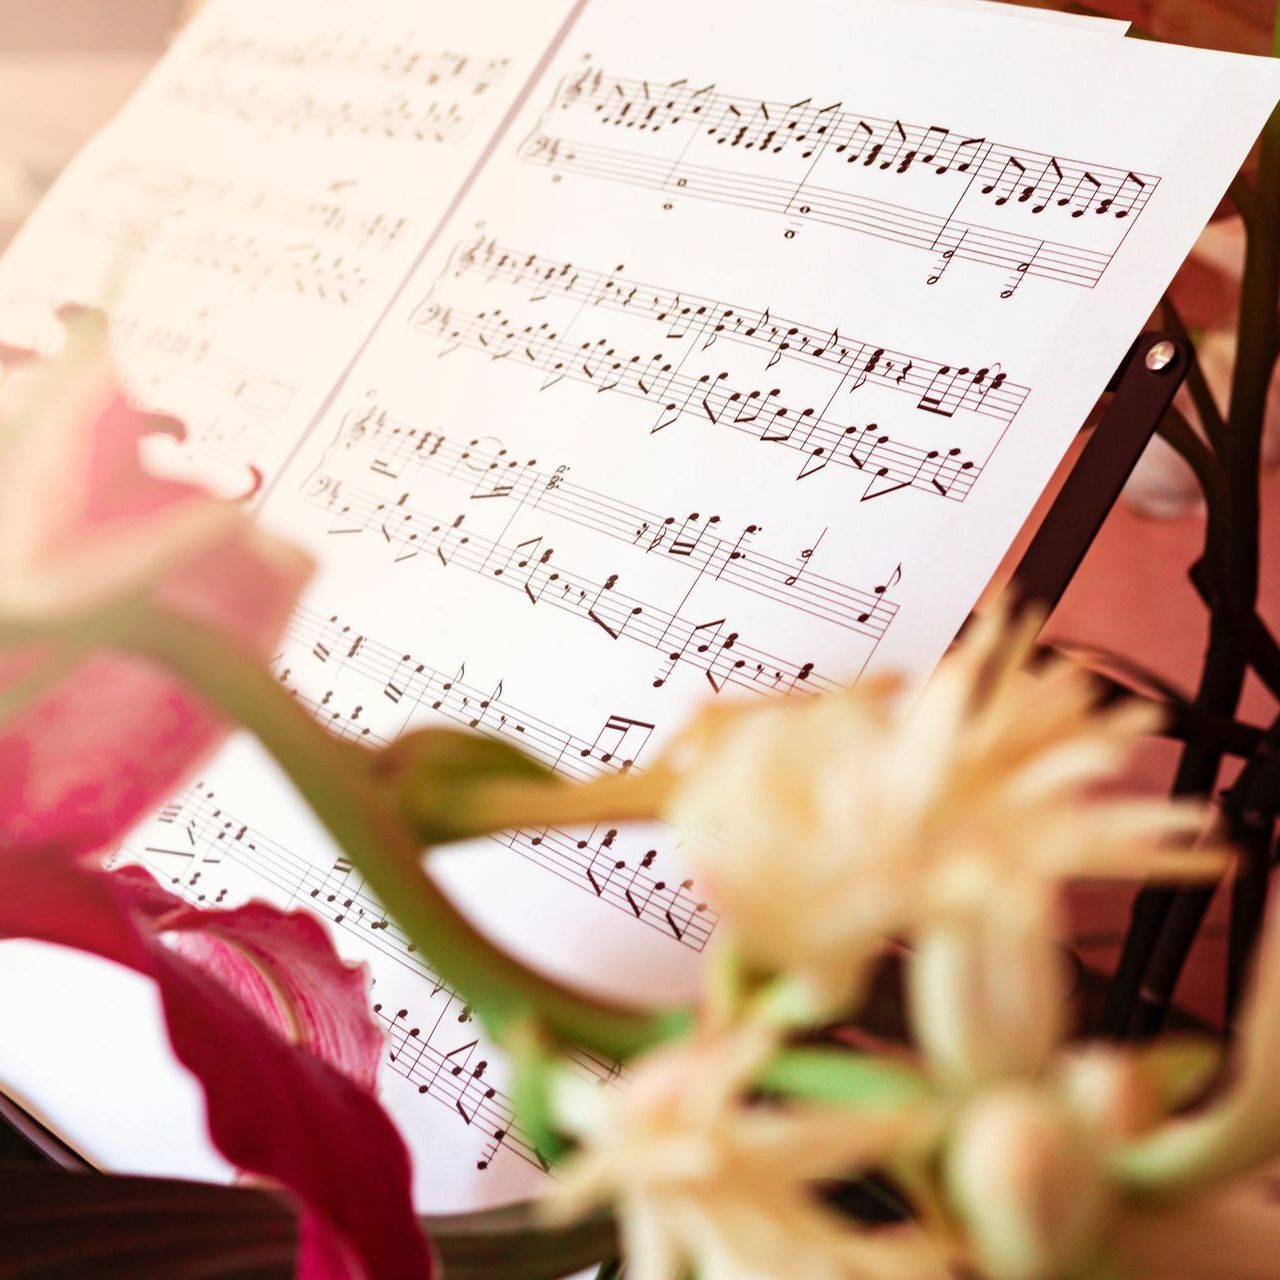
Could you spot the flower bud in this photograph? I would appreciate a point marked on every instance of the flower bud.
(987, 1001)
(1028, 1183)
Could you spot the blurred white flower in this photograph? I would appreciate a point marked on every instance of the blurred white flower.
(699, 1177)
(821, 826)
(987, 1003)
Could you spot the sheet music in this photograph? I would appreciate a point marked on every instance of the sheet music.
(257, 203)
(733, 374)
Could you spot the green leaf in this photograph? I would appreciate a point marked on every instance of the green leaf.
(844, 1076)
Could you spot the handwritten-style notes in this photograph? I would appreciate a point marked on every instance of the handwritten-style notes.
(929, 186)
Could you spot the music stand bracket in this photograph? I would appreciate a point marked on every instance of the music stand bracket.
(1144, 385)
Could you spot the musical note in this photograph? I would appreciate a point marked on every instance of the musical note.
(849, 179)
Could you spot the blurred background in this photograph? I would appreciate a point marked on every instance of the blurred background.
(67, 65)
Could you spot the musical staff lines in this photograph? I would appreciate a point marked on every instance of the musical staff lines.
(334, 51)
(457, 1078)
(794, 397)
(393, 448)
(442, 1055)
(984, 391)
(395, 91)
(318, 247)
(622, 871)
(932, 188)
(526, 566)
(403, 685)
(331, 212)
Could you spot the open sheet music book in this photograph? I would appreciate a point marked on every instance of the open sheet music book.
(610, 358)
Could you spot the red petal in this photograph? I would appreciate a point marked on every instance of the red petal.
(274, 1107)
(298, 983)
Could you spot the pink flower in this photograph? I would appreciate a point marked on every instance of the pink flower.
(259, 1006)
(82, 524)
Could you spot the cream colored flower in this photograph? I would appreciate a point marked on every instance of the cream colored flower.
(1029, 1166)
(840, 820)
(698, 1177)
(987, 1002)
(1089, 1171)
(1029, 1181)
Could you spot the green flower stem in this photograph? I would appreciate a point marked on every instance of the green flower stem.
(619, 797)
(843, 1076)
(374, 835)
(1203, 1151)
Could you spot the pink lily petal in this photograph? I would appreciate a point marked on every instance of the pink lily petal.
(284, 967)
(258, 1005)
(116, 735)
(110, 740)
(276, 1108)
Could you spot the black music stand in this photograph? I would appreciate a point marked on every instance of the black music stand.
(1144, 386)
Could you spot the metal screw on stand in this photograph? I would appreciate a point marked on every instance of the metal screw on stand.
(1161, 356)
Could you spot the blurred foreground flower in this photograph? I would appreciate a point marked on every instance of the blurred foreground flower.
(700, 1177)
(258, 1005)
(824, 826)
(1097, 1168)
(92, 739)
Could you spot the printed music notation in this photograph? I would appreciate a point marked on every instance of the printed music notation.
(699, 543)
(229, 409)
(987, 392)
(191, 194)
(528, 566)
(394, 118)
(321, 248)
(622, 871)
(334, 51)
(405, 686)
(456, 1077)
(194, 833)
(773, 379)
(397, 91)
(930, 187)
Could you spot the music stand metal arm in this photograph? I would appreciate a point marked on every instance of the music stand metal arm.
(1145, 383)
